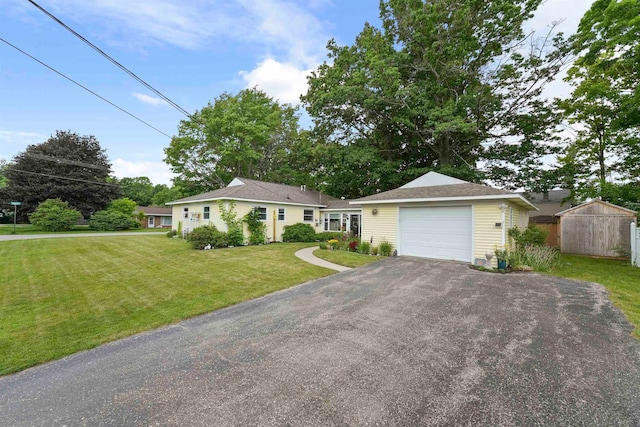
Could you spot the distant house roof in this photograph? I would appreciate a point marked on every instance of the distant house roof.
(551, 202)
(259, 191)
(435, 187)
(153, 210)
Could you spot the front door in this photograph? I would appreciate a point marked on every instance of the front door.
(151, 222)
(354, 224)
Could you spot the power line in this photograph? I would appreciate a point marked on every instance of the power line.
(63, 177)
(84, 87)
(64, 161)
(116, 63)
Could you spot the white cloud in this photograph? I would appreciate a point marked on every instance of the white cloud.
(12, 142)
(157, 172)
(151, 100)
(283, 81)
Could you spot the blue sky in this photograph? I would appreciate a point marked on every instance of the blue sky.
(190, 51)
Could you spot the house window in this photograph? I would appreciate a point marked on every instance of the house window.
(206, 213)
(333, 223)
(280, 214)
(263, 213)
(186, 213)
(308, 215)
(166, 220)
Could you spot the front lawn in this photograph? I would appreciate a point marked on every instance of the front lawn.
(30, 229)
(348, 259)
(60, 296)
(619, 277)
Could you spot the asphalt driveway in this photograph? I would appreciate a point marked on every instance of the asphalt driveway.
(401, 342)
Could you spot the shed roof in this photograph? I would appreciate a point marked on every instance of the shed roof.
(598, 207)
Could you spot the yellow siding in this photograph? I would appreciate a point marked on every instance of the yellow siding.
(485, 233)
(293, 215)
(381, 226)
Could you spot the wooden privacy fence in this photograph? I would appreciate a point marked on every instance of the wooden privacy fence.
(635, 245)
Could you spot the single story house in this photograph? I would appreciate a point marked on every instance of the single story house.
(549, 203)
(154, 217)
(437, 216)
(433, 216)
(279, 205)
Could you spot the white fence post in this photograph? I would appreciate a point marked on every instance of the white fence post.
(635, 245)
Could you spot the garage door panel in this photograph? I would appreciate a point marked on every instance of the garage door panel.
(436, 232)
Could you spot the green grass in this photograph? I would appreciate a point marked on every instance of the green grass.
(347, 259)
(619, 277)
(60, 296)
(30, 229)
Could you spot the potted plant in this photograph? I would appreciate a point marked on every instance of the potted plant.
(501, 257)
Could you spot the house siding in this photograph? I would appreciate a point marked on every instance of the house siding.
(381, 226)
(486, 234)
(293, 215)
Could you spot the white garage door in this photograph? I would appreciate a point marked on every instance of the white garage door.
(437, 232)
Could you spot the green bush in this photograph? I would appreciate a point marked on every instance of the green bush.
(364, 248)
(325, 236)
(236, 235)
(125, 206)
(112, 220)
(172, 233)
(323, 246)
(54, 215)
(386, 248)
(531, 235)
(299, 233)
(257, 228)
(538, 257)
(374, 250)
(206, 235)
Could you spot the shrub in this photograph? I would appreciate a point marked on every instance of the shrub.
(236, 235)
(334, 243)
(386, 248)
(299, 233)
(172, 233)
(531, 235)
(374, 250)
(125, 206)
(539, 258)
(206, 235)
(325, 236)
(54, 215)
(257, 228)
(323, 246)
(352, 246)
(112, 220)
(364, 248)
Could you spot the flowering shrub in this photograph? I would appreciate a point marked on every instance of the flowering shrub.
(352, 245)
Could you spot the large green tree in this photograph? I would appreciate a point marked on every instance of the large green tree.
(441, 85)
(67, 166)
(604, 103)
(139, 189)
(249, 134)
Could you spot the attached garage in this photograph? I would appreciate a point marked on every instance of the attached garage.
(444, 232)
(437, 216)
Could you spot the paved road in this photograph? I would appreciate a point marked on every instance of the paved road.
(404, 342)
(61, 235)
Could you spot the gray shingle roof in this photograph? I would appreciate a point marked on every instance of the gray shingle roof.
(154, 210)
(264, 191)
(436, 192)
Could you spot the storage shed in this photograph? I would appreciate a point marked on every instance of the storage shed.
(596, 228)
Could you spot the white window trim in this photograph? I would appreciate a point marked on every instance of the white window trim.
(206, 214)
(284, 214)
(266, 213)
(304, 215)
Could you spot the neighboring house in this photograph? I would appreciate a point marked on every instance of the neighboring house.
(596, 228)
(154, 217)
(279, 205)
(437, 216)
(549, 204)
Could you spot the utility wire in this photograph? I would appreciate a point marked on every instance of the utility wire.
(84, 87)
(64, 177)
(116, 63)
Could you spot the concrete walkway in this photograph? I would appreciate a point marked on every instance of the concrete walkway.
(57, 236)
(307, 255)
